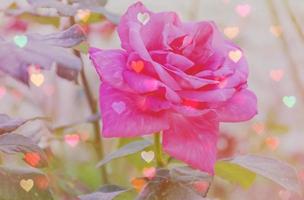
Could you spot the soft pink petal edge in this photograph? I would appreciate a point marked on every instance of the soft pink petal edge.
(193, 140)
(122, 116)
(241, 107)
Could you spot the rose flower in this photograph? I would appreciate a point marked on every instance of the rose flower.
(179, 78)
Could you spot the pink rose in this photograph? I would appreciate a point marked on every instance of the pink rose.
(173, 77)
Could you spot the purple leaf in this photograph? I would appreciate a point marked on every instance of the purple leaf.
(179, 183)
(41, 50)
(8, 124)
(83, 2)
(275, 170)
(15, 143)
(106, 193)
(62, 8)
(35, 2)
(95, 6)
(187, 174)
(67, 38)
(15, 182)
(128, 149)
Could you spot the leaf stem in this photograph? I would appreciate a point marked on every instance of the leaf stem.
(158, 150)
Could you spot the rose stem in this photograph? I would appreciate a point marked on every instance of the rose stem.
(292, 65)
(158, 150)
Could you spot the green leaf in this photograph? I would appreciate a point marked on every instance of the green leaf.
(273, 124)
(275, 170)
(135, 158)
(94, 18)
(278, 128)
(235, 173)
(83, 47)
(55, 21)
(243, 169)
(88, 174)
(125, 151)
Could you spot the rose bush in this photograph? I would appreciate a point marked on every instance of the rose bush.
(179, 78)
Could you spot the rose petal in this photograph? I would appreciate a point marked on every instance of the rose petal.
(140, 82)
(122, 115)
(144, 84)
(151, 32)
(207, 45)
(110, 65)
(130, 31)
(190, 111)
(218, 95)
(193, 140)
(241, 107)
(188, 81)
(240, 68)
(222, 72)
(179, 61)
(155, 104)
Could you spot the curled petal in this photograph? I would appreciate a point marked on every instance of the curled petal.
(179, 61)
(188, 81)
(149, 30)
(241, 107)
(109, 65)
(218, 95)
(144, 84)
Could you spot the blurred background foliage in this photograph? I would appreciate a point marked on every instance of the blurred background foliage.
(271, 34)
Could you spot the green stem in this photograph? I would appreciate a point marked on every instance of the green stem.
(158, 150)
